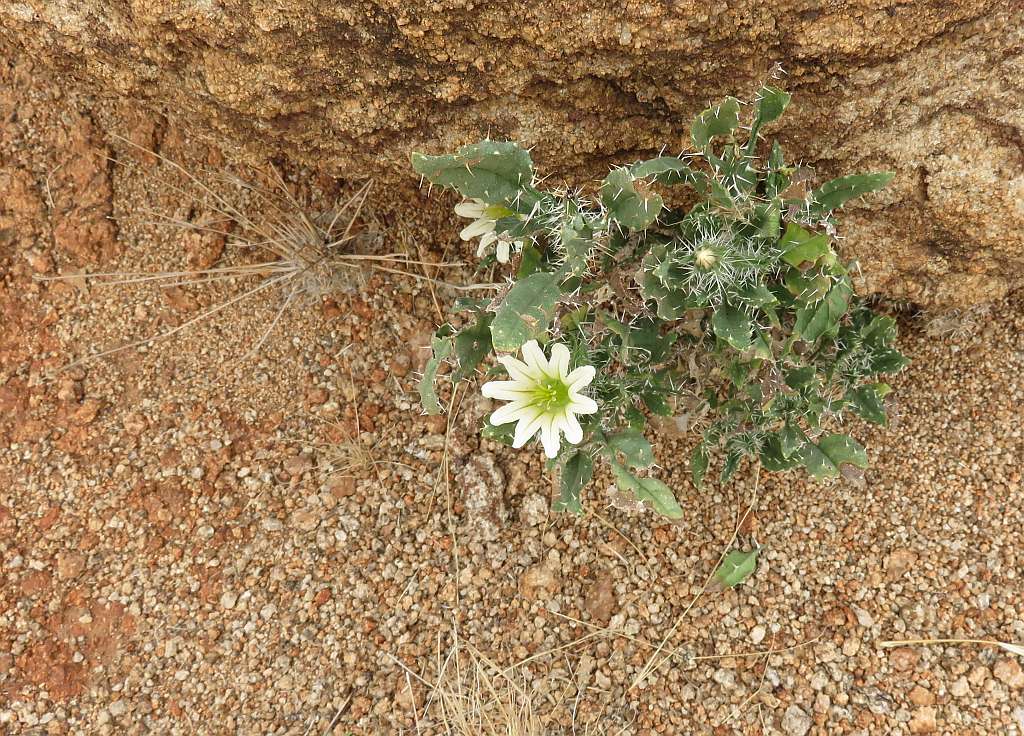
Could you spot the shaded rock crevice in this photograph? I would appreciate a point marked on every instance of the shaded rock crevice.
(352, 89)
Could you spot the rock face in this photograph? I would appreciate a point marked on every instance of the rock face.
(933, 89)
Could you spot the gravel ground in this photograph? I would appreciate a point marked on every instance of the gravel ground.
(197, 541)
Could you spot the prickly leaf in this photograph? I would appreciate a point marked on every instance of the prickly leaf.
(525, 312)
(493, 171)
(720, 120)
(736, 567)
(732, 325)
(629, 201)
(441, 348)
(835, 193)
(634, 448)
(649, 490)
(472, 345)
(823, 459)
(576, 473)
(798, 245)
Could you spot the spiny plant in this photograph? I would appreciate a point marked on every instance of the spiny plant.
(739, 303)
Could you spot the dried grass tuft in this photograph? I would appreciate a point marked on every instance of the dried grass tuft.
(301, 256)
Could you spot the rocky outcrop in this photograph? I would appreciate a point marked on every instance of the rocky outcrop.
(933, 89)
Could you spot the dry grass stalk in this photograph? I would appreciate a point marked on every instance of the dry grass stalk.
(1017, 649)
(300, 255)
(472, 696)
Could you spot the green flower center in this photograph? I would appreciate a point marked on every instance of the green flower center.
(497, 211)
(551, 394)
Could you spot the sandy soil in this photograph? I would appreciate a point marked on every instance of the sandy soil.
(195, 541)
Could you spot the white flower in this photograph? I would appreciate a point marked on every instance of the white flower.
(485, 217)
(544, 396)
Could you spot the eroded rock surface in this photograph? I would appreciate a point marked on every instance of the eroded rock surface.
(932, 89)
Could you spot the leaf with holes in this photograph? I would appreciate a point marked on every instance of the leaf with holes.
(441, 348)
(525, 312)
(823, 459)
(649, 490)
(633, 446)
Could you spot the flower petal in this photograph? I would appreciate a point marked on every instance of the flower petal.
(517, 410)
(473, 209)
(477, 227)
(581, 377)
(502, 251)
(549, 436)
(518, 370)
(533, 356)
(571, 427)
(505, 390)
(560, 360)
(527, 428)
(582, 404)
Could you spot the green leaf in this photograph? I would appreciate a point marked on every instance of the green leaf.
(736, 567)
(732, 325)
(576, 473)
(503, 433)
(529, 263)
(771, 103)
(666, 170)
(778, 177)
(823, 317)
(656, 403)
(669, 304)
(628, 201)
(441, 348)
(646, 338)
(808, 289)
(648, 490)
(633, 446)
(577, 246)
(720, 120)
(492, 171)
(731, 464)
(525, 312)
(472, 345)
(799, 246)
(772, 455)
(802, 377)
(699, 461)
(888, 360)
(866, 403)
(469, 304)
(791, 439)
(762, 345)
(767, 220)
(835, 193)
(758, 296)
(823, 459)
